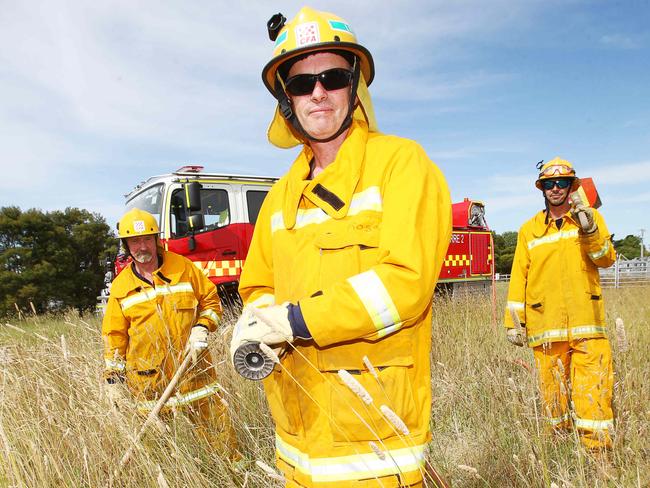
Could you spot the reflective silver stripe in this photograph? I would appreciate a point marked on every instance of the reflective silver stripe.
(601, 253)
(587, 330)
(516, 305)
(593, 424)
(368, 199)
(184, 399)
(115, 364)
(379, 305)
(152, 293)
(277, 221)
(211, 314)
(264, 300)
(558, 420)
(549, 334)
(565, 234)
(354, 466)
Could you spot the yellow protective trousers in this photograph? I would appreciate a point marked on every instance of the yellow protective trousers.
(578, 373)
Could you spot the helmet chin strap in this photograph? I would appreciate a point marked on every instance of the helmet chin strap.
(288, 113)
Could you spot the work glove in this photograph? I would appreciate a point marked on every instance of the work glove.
(115, 394)
(516, 336)
(197, 342)
(269, 325)
(583, 214)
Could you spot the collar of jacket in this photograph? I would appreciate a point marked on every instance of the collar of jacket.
(333, 188)
(543, 228)
(170, 273)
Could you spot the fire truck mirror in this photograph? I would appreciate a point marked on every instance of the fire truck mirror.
(196, 222)
(193, 196)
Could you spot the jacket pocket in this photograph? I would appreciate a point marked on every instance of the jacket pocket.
(392, 386)
(282, 396)
(347, 248)
(352, 420)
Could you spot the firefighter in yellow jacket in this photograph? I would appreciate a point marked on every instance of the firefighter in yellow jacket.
(342, 266)
(162, 307)
(555, 293)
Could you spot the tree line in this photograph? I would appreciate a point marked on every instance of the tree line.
(57, 260)
(52, 261)
(505, 244)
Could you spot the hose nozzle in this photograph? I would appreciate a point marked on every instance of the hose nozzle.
(250, 362)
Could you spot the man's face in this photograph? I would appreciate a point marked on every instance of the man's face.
(142, 248)
(322, 112)
(556, 195)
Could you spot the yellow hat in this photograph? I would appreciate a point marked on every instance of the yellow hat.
(555, 168)
(136, 223)
(312, 31)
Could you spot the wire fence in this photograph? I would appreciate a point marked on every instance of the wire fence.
(624, 273)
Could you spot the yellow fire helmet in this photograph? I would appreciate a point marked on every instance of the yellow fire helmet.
(308, 32)
(136, 223)
(556, 168)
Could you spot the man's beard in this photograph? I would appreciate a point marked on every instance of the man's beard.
(143, 257)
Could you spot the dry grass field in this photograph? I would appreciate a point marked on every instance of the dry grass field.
(58, 430)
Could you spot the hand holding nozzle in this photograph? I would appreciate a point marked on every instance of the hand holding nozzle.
(257, 326)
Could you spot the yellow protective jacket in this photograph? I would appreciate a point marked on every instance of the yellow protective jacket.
(145, 329)
(360, 248)
(554, 284)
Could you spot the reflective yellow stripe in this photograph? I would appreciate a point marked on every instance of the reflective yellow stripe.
(211, 314)
(265, 300)
(547, 335)
(377, 300)
(594, 424)
(564, 334)
(152, 293)
(354, 466)
(184, 399)
(368, 199)
(515, 305)
(115, 364)
(587, 330)
(558, 420)
(565, 234)
(601, 253)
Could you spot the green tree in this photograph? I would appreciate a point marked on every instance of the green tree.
(53, 260)
(630, 247)
(504, 251)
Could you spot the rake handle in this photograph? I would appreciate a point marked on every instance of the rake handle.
(153, 415)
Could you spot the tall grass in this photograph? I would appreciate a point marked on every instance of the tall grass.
(58, 429)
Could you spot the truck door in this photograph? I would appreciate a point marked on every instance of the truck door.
(217, 247)
(253, 196)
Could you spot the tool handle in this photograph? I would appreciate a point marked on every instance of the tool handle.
(153, 415)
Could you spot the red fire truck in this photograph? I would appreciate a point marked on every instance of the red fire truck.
(209, 218)
(469, 264)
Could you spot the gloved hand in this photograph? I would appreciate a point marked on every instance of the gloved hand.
(584, 215)
(516, 336)
(115, 393)
(269, 325)
(197, 342)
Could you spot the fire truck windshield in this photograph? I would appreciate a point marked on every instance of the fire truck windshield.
(149, 200)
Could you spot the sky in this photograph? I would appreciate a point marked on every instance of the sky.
(98, 96)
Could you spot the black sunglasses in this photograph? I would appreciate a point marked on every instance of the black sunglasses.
(561, 184)
(331, 79)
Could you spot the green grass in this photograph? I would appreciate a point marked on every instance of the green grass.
(57, 429)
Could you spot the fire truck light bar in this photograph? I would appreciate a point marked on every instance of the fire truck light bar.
(190, 169)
